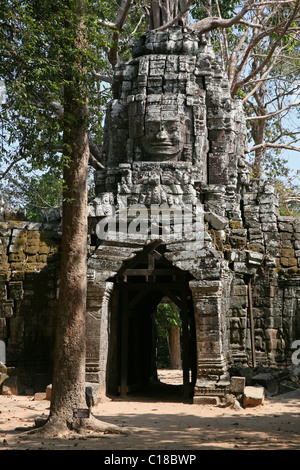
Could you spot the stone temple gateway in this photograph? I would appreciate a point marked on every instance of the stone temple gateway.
(175, 216)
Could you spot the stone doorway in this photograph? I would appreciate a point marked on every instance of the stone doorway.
(139, 287)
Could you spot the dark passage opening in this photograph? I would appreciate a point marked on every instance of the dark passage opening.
(145, 285)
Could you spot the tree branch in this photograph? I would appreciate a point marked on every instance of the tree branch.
(95, 154)
(255, 118)
(119, 23)
(10, 167)
(208, 24)
(263, 77)
(236, 85)
(103, 78)
(273, 146)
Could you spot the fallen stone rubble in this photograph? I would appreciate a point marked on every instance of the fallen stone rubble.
(273, 380)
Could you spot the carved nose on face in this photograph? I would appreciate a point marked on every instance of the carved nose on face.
(162, 135)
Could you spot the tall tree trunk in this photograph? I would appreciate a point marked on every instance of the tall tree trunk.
(259, 153)
(68, 384)
(175, 353)
(68, 388)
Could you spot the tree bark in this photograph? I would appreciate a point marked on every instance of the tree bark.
(175, 354)
(164, 11)
(68, 382)
(68, 390)
(68, 385)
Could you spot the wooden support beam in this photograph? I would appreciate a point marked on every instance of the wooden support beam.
(124, 343)
(174, 298)
(186, 346)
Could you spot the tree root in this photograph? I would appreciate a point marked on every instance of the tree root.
(94, 424)
(56, 428)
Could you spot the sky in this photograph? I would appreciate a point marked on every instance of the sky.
(293, 159)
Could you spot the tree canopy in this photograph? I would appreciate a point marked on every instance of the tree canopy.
(258, 43)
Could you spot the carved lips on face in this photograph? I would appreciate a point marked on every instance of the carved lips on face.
(163, 140)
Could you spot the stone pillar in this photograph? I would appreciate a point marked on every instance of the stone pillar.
(97, 329)
(212, 377)
(2, 352)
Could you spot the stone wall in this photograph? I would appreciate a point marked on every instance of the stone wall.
(263, 247)
(29, 273)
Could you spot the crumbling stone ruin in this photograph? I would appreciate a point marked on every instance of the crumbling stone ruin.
(175, 215)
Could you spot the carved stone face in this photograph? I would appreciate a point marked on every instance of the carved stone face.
(163, 139)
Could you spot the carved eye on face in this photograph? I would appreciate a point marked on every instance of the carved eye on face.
(173, 128)
(152, 129)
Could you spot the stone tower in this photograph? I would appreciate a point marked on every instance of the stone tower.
(174, 148)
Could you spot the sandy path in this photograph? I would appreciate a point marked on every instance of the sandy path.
(162, 422)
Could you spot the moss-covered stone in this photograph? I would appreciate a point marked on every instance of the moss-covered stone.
(16, 257)
(288, 262)
(287, 252)
(256, 248)
(235, 224)
(32, 249)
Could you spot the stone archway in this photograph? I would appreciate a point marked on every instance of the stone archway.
(119, 322)
(141, 285)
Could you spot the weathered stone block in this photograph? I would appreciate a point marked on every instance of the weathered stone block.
(6, 309)
(48, 392)
(269, 227)
(240, 290)
(255, 258)
(238, 301)
(237, 385)
(285, 227)
(288, 262)
(16, 291)
(253, 396)
(10, 386)
(287, 253)
(206, 400)
(268, 218)
(237, 241)
(32, 249)
(16, 257)
(216, 221)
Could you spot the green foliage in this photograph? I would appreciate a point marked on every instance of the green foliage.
(286, 180)
(227, 9)
(288, 191)
(43, 192)
(167, 316)
(38, 60)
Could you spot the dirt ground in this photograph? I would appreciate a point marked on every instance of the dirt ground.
(161, 421)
